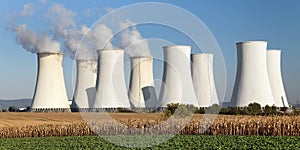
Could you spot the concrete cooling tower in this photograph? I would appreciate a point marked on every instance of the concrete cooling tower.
(274, 71)
(141, 78)
(50, 92)
(111, 86)
(85, 90)
(203, 79)
(177, 77)
(252, 81)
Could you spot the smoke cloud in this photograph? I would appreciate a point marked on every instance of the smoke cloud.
(132, 41)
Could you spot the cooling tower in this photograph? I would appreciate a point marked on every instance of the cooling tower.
(177, 77)
(50, 92)
(274, 71)
(85, 90)
(141, 77)
(111, 87)
(252, 81)
(203, 79)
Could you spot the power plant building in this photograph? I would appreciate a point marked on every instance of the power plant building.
(50, 92)
(141, 85)
(274, 71)
(203, 79)
(111, 87)
(177, 77)
(252, 81)
(101, 84)
(85, 90)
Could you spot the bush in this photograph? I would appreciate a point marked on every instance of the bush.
(214, 109)
(182, 111)
(284, 109)
(254, 108)
(268, 110)
(295, 111)
(179, 110)
(274, 109)
(5, 110)
(200, 110)
(124, 110)
(224, 111)
(233, 111)
(12, 109)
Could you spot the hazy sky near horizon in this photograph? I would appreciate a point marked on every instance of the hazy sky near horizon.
(230, 21)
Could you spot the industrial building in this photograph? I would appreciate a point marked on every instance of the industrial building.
(111, 90)
(50, 93)
(141, 87)
(203, 79)
(274, 72)
(85, 90)
(252, 80)
(177, 77)
(100, 85)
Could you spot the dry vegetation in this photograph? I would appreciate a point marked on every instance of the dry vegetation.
(72, 124)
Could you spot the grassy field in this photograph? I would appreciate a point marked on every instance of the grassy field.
(16, 125)
(178, 142)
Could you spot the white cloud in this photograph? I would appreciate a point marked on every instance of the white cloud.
(92, 11)
(109, 9)
(27, 10)
(43, 1)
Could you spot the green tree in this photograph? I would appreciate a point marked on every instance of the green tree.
(234, 111)
(178, 110)
(254, 108)
(268, 110)
(284, 109)
(224, 111)
(274, 109)
(13, 109)
(214, 109)
(182, 111)
(200, 110)
(171, 108)
(243, 110)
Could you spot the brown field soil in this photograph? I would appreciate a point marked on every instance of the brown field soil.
(72, 124)
(19, 119)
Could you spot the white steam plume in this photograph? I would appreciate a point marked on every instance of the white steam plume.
(35, 43)
(132, 40)
(84, 42)
(63, 29)
(62, 20)
(64, 25)
(102, 35)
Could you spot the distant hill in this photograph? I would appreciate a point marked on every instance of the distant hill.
(17, 103)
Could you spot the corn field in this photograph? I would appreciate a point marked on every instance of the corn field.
(133, 124)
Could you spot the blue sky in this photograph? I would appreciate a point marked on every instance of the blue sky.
(230, 21)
